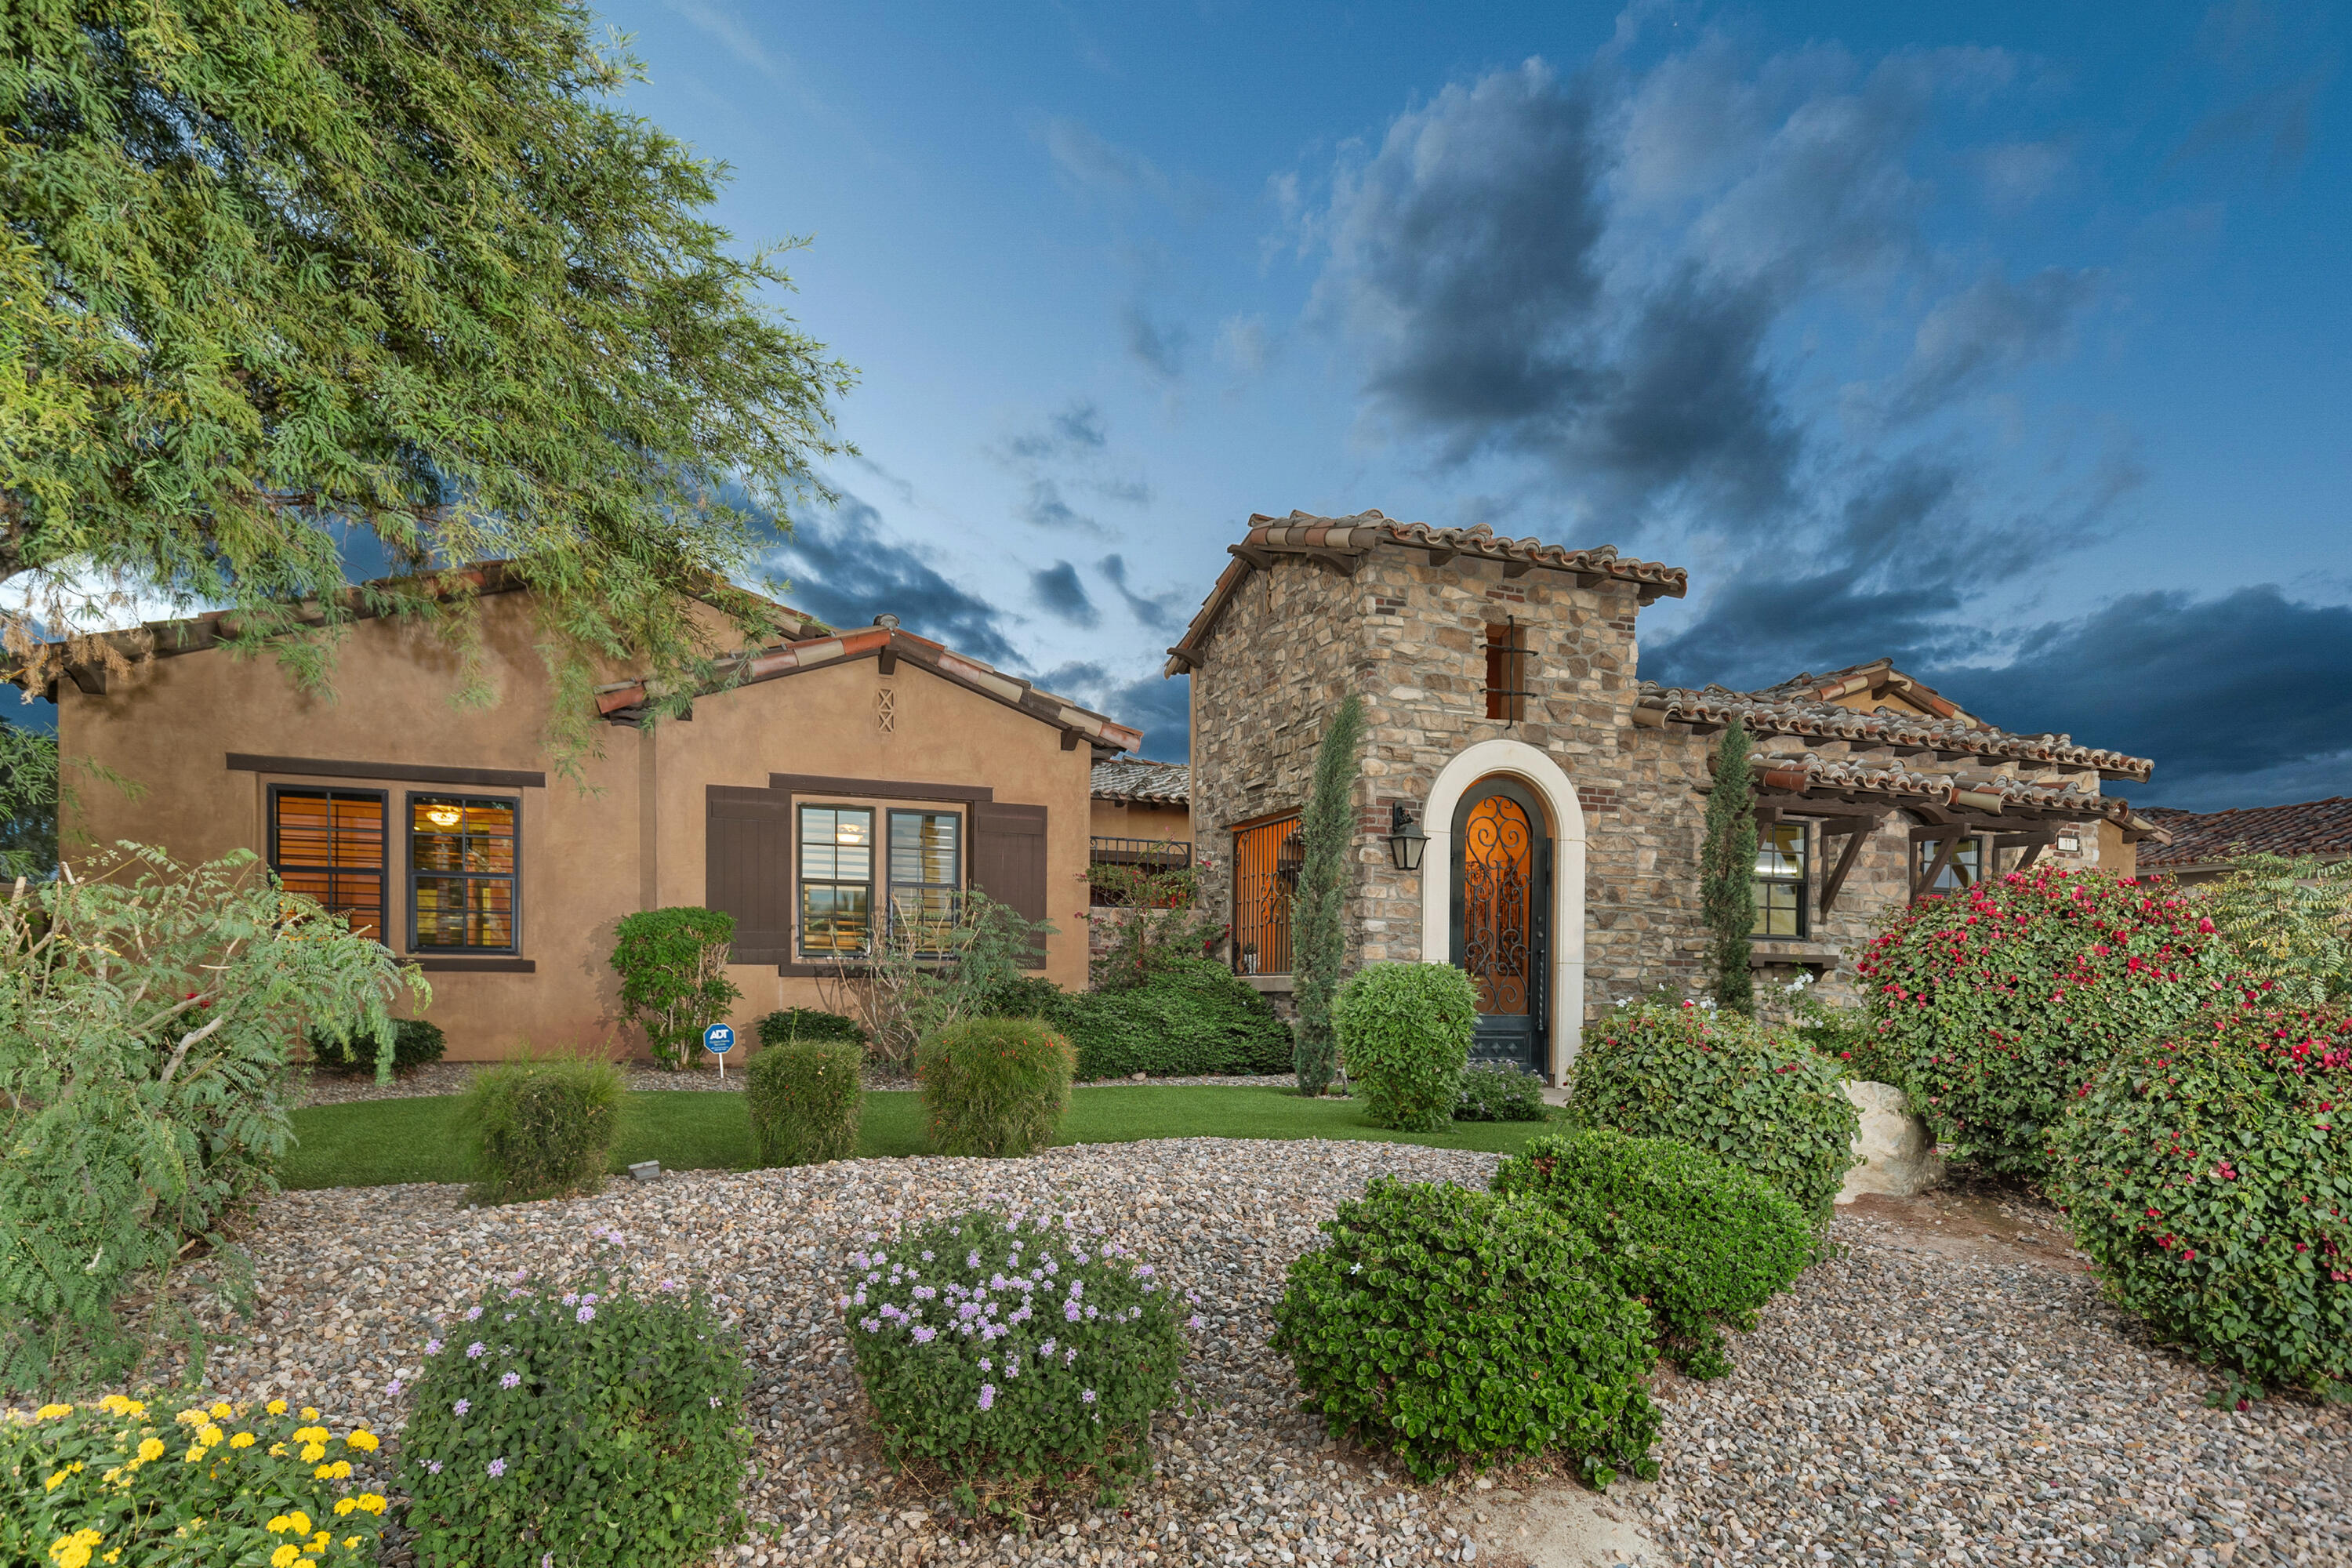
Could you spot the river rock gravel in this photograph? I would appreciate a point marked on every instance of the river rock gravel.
(1910, 1401)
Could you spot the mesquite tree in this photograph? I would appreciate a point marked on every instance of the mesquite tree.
(1319, 934)
(285, 279)
(1727, 872)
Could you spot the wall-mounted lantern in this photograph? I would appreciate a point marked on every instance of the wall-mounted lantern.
(1407, 842)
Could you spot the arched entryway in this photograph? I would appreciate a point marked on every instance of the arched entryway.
(1562, 966)
(1500, 924)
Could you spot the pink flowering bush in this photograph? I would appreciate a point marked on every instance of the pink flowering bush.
(600, 1421)
(1997, 1002)
(1021, 1356)
(2208, 1173)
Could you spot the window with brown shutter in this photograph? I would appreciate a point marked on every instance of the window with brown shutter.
(747, 870)
(1008, 860)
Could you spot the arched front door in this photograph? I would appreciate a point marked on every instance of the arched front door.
(1501, 925)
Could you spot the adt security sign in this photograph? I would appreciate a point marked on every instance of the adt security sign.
(719, 1039)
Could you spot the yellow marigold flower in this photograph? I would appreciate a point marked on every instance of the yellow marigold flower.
(362, 1439)
(339, 1471)
(209, 1435)
(190, 1419)
(283, 1557)
(116, 1404)
(276, 1407)
(344, 1506)
(278, 1522)
(73, 1551)
(300, 1520)
(313, 1452)
(112, 1555)
(351, 1543)
(311, 1433)
(243, 1440)
(276, 1450)
(222, 1411)
(372, 1502)
(54, 1482)
(193, 1455)
(309, 1413)
(108, 1478)
(305, 1563)
(150, 1450)
(51, 1412)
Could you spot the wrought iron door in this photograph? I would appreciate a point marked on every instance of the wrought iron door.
(1501, 924)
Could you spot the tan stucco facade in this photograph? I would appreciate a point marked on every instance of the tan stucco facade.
(196, 734)
(1141, 819)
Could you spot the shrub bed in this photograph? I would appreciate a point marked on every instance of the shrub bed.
(1499, 1091)
(414, 1044)
(803, 1097)
(1404, 1033)
(806, 1024)
(1702, 1242)
(1022, 1356)
(1997, 1002)
(995, 1087)
(1460, 1327)
(1717, 1082)
(601, 1424)
(112, 1482)
(2208, 1175)
(542, 1127)
(1188, 1017)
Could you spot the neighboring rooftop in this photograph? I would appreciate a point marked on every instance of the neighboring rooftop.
(1338, 544)
(1137, 779)
(2202, 838)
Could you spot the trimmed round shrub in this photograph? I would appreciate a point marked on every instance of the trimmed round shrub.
(600, 1424)
(1500, 1092)
(415, 1043)
(112, 1482)
(1404, 1036)
(2209, 1176)
(1702, 1242)
(1188, 1017)
(1997, 1002)
(541, 1127)
(1456, 1327)
(806, 1024)
(1022, 1356)
(803, 1097)
(994, 1087)
(1725, 1087)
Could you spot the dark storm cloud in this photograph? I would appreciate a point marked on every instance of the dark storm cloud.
(1157, 706)
(845, 569)
(1992, 329)
(1043, 507)
(1058, 589)
(1160, 611)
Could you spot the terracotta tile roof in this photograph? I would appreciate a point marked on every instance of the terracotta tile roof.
(624, 702)
(1340, 542)
(1804, 707)
(1134, 778)
(1829, 778)
(2322, 827)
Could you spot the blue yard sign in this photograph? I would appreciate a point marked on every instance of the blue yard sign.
(719, 1039)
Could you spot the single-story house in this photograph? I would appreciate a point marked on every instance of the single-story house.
(842, 776)
(2205, 842)
(1531, 809)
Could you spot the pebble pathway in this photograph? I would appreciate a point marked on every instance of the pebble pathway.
(1899, 1406)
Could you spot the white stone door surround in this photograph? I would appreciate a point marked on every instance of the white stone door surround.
(1539, 772)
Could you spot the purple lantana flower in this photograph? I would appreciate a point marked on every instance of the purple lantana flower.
(585, 1313)
(498, 1468)
(462, 1406)
(474, 1351)
(987, 1394)
(511, 1380)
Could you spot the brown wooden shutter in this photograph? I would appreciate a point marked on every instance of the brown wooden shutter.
(747, 870)
(1008, 860)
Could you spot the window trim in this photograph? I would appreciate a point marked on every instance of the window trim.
(408, 837)
(1802, 881)
(384, 843)
(801, 879)
(1506, 660)
(1271, 824)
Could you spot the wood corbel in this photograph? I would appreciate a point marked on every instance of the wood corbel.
(887, 661)
(1517, 568)
(1923, 880)
(1856, 831)
(1439, 556)
(1337, 560)
(1070, 738)
(1250, 553)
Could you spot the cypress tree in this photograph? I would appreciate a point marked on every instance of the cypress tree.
(1728, 871)
(1319, 934)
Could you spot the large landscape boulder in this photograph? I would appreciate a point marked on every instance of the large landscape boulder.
(1898, 1155)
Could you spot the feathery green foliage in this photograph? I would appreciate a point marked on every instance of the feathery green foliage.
(995, 1087)
(276, 271)
(28, 802)
(1319, 931)
(2289, 920)
(149, 1014)
(1728, 871)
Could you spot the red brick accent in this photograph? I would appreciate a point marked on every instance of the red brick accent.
(1596, 798)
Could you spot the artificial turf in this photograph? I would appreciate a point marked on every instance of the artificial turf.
(375, 1142)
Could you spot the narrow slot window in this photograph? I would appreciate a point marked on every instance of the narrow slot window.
(1267, 861)
(925, 867)
(1779, 880)
(1507, 671)
(836, 879)
(329, 844)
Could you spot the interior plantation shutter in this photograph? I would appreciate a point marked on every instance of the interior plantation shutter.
(1008, 860)
(747, 870)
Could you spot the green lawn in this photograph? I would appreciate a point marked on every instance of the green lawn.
(378, 1141)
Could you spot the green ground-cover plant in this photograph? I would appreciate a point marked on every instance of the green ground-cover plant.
(995, 1087)
(150, 1015)
(2288, 919)
(1458, 1326)
(1721, 1083)
(1327, 831)
(673, 968)
(806, 1024)
(1021, 1355)
(1705, 1243)
(1188, 1016)
(1727, 872)
(599, 1422)
(804, 1097)
(2208, 1174)
(414, 1044)
(116, 1483)
(540, 1126)
(1404, 1033)
(1998, 1000)
(1500, 1092)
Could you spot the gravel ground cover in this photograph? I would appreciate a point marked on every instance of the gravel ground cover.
(451, 1078)
(1924, 1397)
